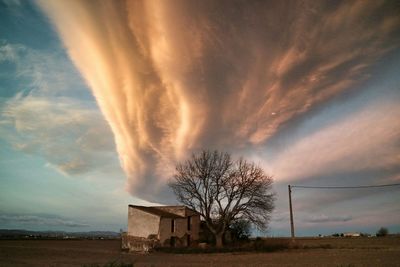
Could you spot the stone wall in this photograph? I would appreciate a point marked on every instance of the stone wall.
(138, 244)
(181, 232)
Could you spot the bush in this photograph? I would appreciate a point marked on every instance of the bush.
(382, 232)
(270, 245)
(111, 264)
(257, 245)
(240, 230)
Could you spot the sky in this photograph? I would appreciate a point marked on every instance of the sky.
(99, 100)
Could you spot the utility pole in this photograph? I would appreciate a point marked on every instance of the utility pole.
(291, 212)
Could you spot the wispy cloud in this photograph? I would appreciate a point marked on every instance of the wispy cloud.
(363, 140)
(38, 220)
(42, 73)
(53, 116)
(11, 3)
(71, 136)
(322, 218)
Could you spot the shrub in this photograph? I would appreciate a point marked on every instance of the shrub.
(259, 245)
(240, 230)
(382, 232)
(111, 264)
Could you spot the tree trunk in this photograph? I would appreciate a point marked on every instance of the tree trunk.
(218, 240)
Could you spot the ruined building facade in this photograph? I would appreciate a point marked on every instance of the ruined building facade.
(163, 226)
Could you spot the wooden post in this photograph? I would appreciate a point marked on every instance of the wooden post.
(291, 212)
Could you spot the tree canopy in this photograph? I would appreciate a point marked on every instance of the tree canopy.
(223, 190)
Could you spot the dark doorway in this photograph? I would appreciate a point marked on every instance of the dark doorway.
(188, 240)
(172, 241)
(189, 222)
(172, 225)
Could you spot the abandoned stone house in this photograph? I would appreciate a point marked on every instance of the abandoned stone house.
(165, 226)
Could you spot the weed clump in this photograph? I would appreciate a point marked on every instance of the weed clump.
(111, 264)
(256, 245)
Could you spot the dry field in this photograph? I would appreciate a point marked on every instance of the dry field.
(314, 252)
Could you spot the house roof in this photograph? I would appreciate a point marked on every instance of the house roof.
(158, 212)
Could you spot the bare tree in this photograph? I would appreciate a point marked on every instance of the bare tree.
(223, 190)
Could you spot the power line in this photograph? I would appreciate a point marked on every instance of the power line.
(344, 187)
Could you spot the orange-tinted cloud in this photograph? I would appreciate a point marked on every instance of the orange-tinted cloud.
(174, 76)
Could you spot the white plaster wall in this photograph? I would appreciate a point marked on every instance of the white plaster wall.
(142, 224)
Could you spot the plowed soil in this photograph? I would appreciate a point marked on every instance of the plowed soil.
(315, 252)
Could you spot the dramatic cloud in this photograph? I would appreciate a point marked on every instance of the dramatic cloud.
(174, 76)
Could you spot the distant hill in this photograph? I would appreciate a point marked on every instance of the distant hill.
(27, 234)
